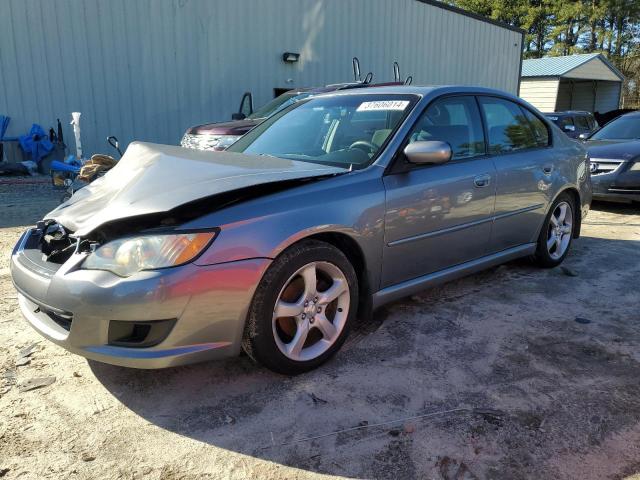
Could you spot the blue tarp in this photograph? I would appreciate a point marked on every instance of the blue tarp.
(36, 143)
(4, 123)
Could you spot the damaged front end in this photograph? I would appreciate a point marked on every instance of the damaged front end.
(144, 242)
(53, 241)
(135, 211)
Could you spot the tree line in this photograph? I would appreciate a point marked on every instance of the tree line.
(565, 27)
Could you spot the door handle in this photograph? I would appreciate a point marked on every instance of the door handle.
(482, 181)
(547, 169)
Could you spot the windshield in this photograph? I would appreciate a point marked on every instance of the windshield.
(622, 128)
(340, 130)
(279, 103)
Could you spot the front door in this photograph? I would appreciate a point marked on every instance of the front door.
(438, 216)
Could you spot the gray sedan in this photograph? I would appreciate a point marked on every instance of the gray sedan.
(324, 212)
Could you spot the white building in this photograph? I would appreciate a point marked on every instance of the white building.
(148, 69)
(575, 82)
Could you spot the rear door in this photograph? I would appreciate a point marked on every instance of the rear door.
(438, 216)
(518, 142)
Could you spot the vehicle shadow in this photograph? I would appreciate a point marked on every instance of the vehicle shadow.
(479, 342)
(618, 208)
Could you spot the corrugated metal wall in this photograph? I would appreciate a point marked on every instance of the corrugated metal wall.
(147, 69)
(540, 92)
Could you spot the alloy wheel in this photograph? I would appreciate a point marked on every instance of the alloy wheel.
(311, 311)
(560, 230)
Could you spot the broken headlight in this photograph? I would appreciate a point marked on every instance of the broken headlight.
(127, 256)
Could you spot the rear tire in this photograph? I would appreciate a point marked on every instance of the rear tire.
(556, 233)
(303, 308)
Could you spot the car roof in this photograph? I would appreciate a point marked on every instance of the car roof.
(630, 114)
(341, 86)
(422, 90)
(569, 112)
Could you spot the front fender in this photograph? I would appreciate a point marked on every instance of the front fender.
(351, 204)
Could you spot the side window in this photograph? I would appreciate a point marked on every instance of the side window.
(581, 122)
(567, 122)
(454, 120)
(540, 130)
(507, 128)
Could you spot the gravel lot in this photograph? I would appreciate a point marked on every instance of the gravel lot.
(487, 377)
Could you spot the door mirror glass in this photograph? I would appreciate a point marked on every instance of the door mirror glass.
(428, 152)
(583, 136)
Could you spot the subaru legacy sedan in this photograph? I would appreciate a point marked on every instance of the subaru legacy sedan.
(322, 213)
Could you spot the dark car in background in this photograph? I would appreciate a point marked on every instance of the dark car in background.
(574, 123)
(615, 159)
(220, 135)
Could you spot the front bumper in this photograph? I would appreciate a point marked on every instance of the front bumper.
(622, 184)
(75, 308)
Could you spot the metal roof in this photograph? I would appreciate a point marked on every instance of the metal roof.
(559, 66)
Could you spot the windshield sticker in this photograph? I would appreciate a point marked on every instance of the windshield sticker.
(383, 105)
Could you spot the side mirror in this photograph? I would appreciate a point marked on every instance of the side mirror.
(570, 128)
(431, 152)
(583, 136)
(246, 105)
(238, 116)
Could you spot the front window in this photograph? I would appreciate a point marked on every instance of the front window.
(455, 120)
(279, 103)
(622, 128)
(340, 130)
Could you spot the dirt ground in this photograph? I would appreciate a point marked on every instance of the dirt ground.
(515, 372)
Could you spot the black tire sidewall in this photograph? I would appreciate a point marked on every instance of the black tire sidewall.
(258, 340)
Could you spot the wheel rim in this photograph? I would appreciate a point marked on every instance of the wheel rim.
(311, 311)
(560, 230)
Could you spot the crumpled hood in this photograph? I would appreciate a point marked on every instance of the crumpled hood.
(152, 178)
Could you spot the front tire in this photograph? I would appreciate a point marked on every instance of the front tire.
(302, 309)
(556, 233)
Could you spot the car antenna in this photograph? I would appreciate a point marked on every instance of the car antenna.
(356, 69)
